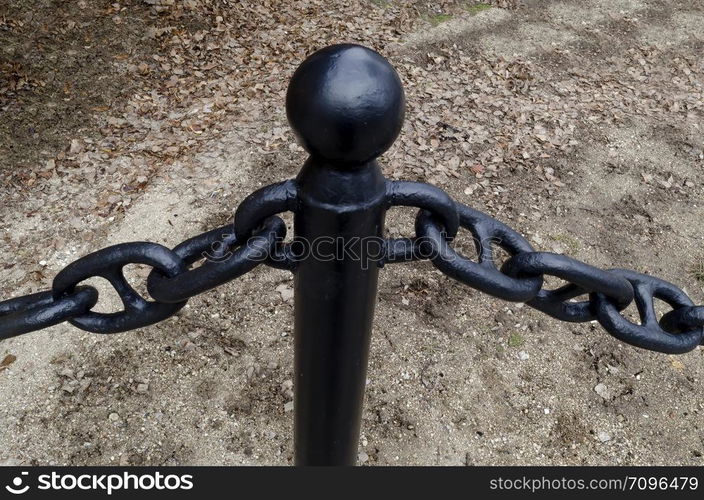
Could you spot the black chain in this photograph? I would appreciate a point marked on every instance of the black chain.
(520, 279)
(41, 310)
(227, 252)
(257, 237)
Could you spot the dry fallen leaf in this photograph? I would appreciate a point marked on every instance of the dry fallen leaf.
(677, 364)
(477, 168)
(7, 361)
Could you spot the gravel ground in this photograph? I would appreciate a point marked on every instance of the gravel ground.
(578, 123)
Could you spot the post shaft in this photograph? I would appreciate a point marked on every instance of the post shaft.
(339, 222)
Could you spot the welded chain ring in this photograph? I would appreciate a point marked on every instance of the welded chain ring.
(257, 237)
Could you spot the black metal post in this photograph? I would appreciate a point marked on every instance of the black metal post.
(346, 105)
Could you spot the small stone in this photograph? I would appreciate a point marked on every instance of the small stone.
(604, 436)
(286, 292)
(287, 388)
(558, 248)
(602, 390)
(142, 388)
(523, 355)
(505, 318)
(114, 417)
(362, 457)
(288, 407)
(75, 147)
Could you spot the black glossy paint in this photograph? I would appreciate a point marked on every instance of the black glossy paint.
(482, 275)
(264, 203)
(41, 310)
(345, 103)
(226, 258)
(649, 334)
(684, 319)
(582, 279)
(108, 263)
(427, 197)
(334, 308)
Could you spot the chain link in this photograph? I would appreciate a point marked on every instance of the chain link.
(520, 279)
(256, 237)
(648, 334)
(683, 319)
(482, 275)
(226, 252)
(224, 264)
(582, 279)
(108, 263)
(40, 310)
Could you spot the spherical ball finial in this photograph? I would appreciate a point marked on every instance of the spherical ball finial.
(346, 105)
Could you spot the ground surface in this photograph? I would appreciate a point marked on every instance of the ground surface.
(577, 122)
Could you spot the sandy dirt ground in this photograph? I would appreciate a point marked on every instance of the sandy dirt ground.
(579, 123)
